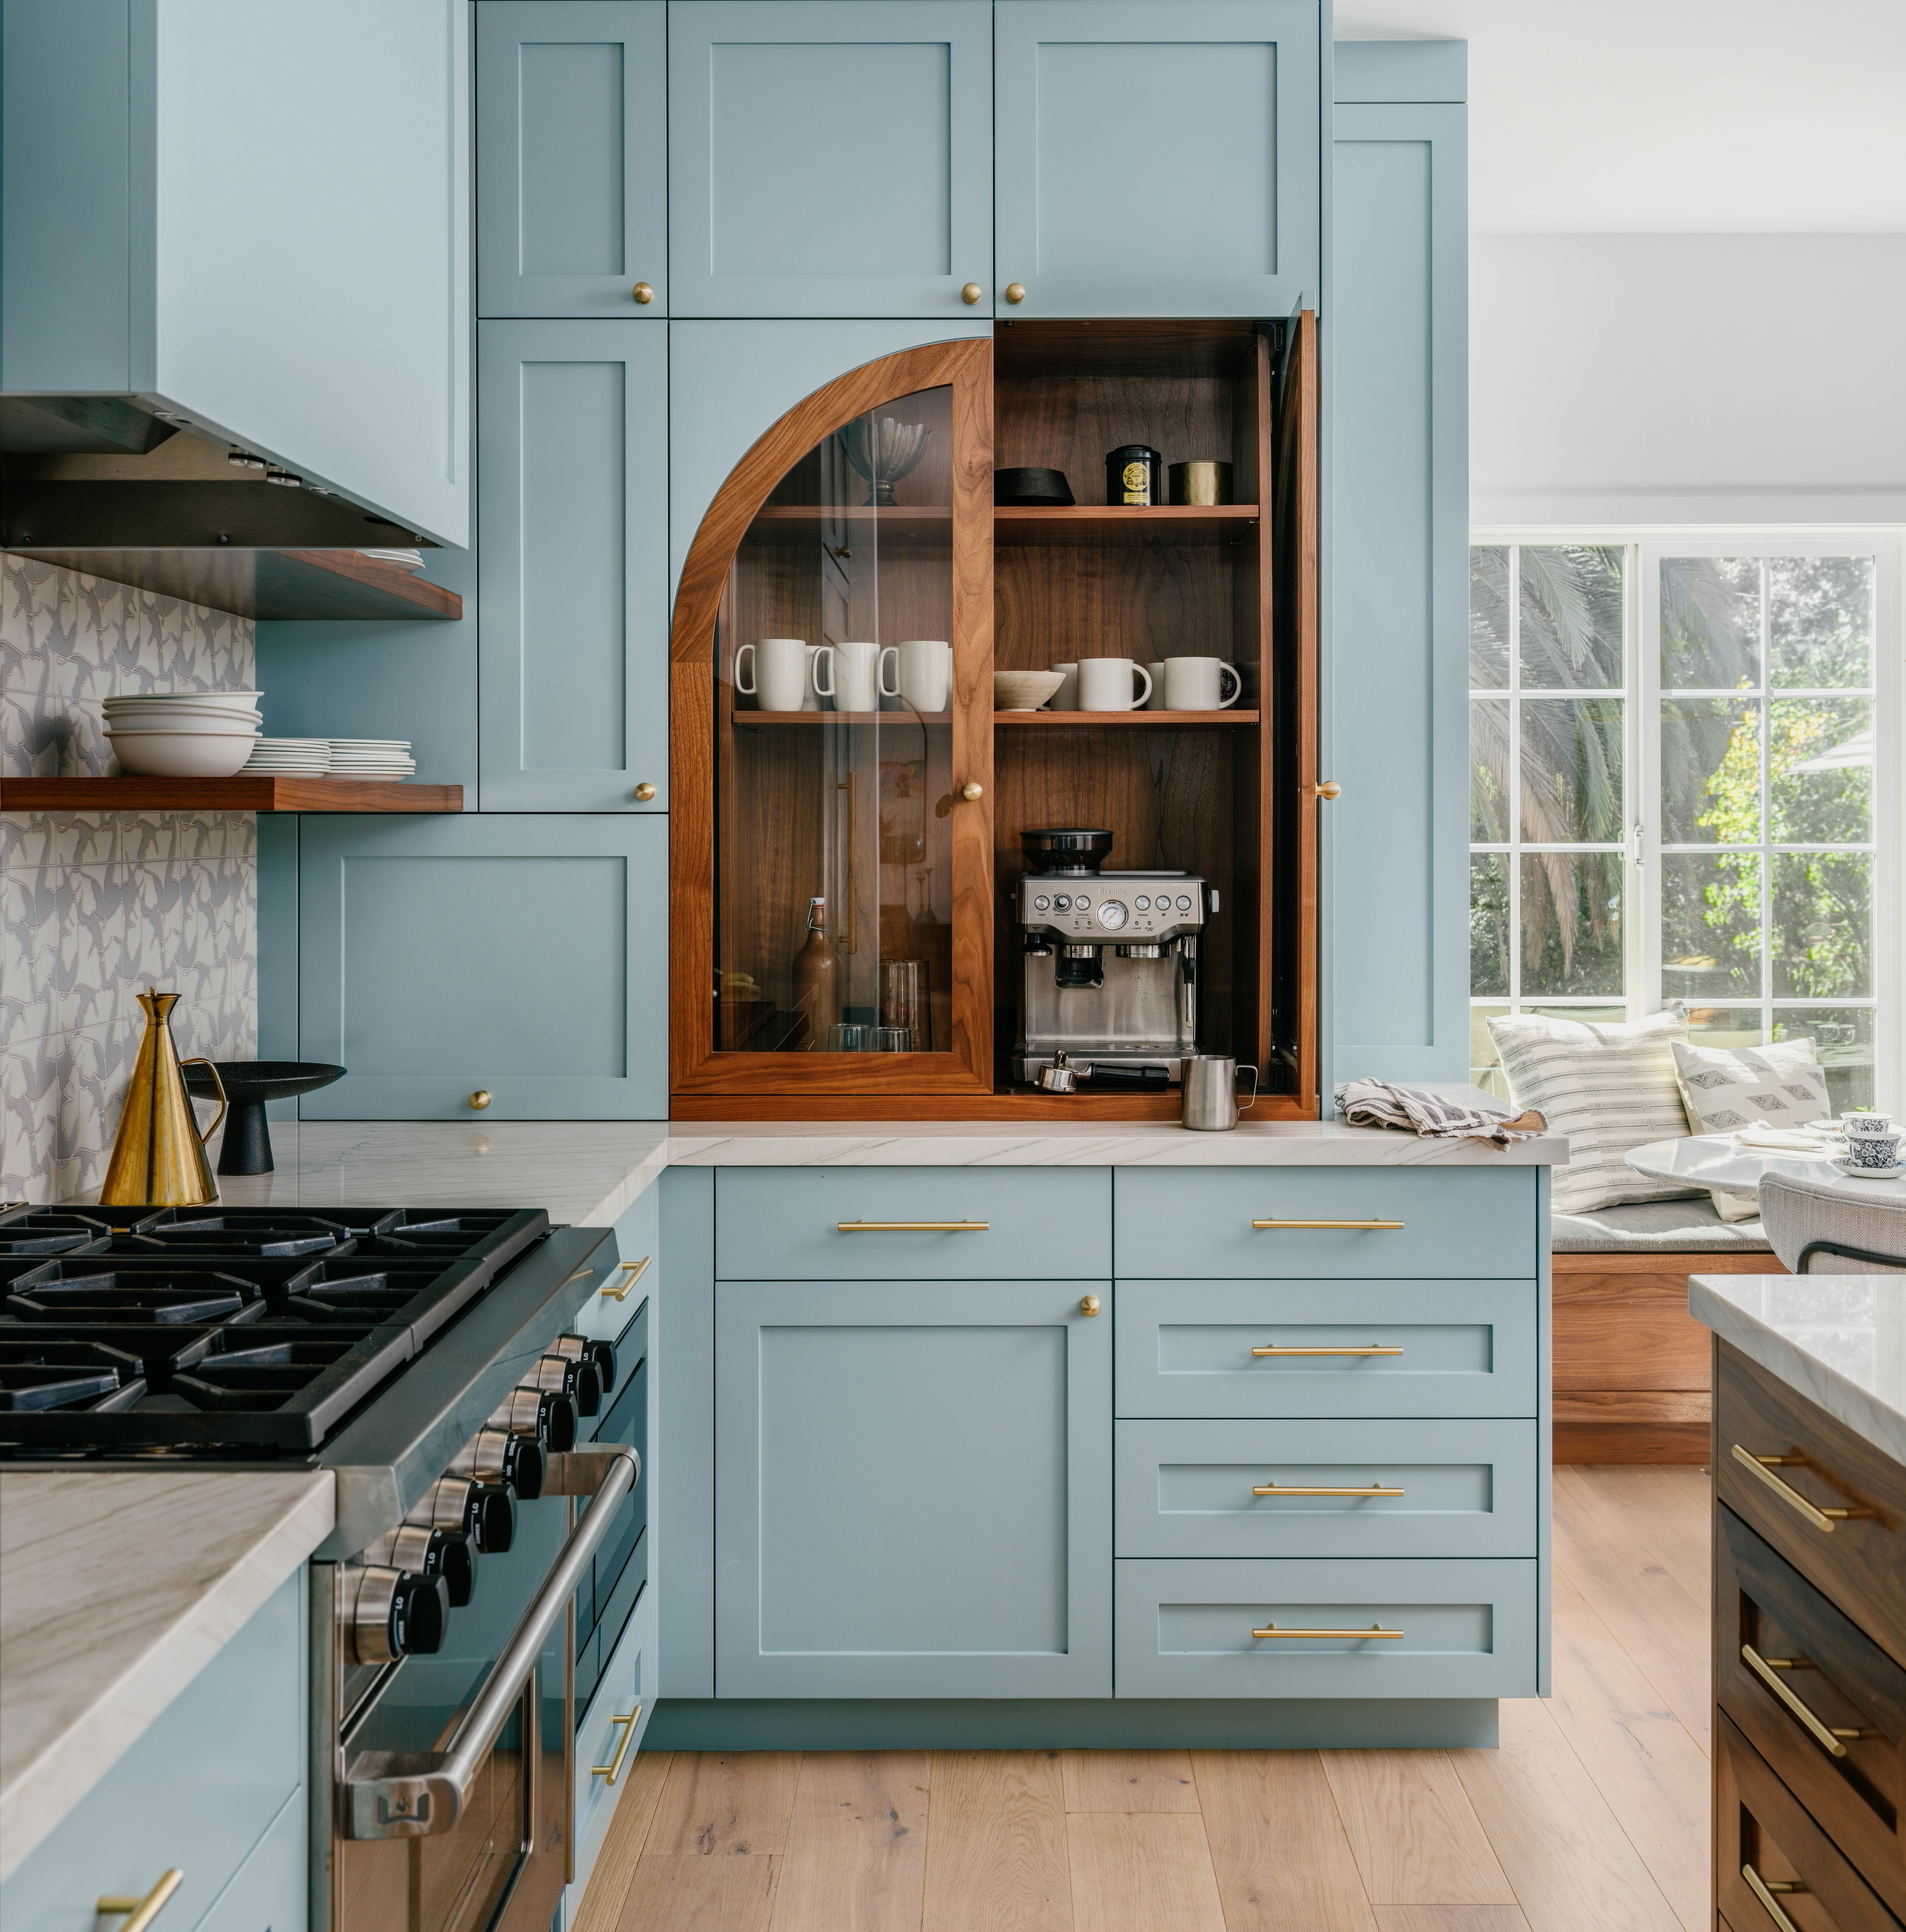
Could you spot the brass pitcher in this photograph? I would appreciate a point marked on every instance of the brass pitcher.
(158, 1153)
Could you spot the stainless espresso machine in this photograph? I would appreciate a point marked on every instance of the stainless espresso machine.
(1109, 970)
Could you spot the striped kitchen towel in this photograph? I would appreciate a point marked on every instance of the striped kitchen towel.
(1376, 1103)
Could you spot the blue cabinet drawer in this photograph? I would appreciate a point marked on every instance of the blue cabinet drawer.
(623, 1701)
(783, 1223)
(1198, 1222)
(1447, 1348)
(271, 1890)
(1184, 1629)
(1191, 1489)
(626, 1290)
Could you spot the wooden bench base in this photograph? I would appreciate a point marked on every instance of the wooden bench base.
(1631, 1364)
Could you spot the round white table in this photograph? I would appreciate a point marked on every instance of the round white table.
(1713, 1160)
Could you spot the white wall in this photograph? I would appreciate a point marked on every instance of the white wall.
(1687, 379)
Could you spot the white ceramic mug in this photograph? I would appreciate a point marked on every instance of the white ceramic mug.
(1156, 701)
(1066, 697)
(1105, 684)
(856, 674)
(926, 674)
(1197, 684)
(776, 674)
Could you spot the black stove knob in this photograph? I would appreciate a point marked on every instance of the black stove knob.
(540, 1410)
(491, 1518)
(456, 1563)
(495, 1455)
(559, 1423)
(420, 1614)
(526, 1466)
(427, 1550)
(388, 1614)
(581, 1348)
(577, 1380)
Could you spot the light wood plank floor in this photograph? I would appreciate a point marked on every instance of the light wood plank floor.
(1592, 1814)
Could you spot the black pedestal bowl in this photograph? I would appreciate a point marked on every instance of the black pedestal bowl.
(248, 1084)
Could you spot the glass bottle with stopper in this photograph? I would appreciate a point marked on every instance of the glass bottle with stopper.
(816, 978)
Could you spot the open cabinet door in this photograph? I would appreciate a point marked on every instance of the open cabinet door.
(1293, 799)
(830, 731)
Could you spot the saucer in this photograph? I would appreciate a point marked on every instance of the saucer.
(1852, 1173)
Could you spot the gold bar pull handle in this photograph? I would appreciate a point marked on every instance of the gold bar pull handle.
(1273, 1222)
(1372, 1348)
(612, 1769)
(1375, 1630)
(1293, 1489)
(1764, 1888)
(910, 1227)
(143, 1910)
(1764, 1466)
(1827, 1736)
(627, 1274)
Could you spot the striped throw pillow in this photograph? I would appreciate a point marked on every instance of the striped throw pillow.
(1609, 1088)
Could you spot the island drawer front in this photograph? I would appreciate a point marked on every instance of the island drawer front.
(1860, 1563)
(1467, 1348)
(1763, 1604)
(783, 1223)
(1185, 1489)
(1460, 1222)
(1760, 1824)
(624, 1691)
(1184, 1629)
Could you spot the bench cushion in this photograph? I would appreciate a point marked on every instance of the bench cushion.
(1654, 1227)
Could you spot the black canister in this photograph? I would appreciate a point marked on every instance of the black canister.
(1135, 474)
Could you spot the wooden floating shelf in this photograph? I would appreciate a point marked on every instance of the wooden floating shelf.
(1083, 523)
(758, 719)
(1124, 718)
(337, 585)
(258, 794)
(884, 523)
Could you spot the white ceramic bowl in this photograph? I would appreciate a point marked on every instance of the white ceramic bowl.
(245, 698)
(1024, 690)
(182, 754)
(182, 718)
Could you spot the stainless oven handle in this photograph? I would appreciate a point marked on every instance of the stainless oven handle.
(417, 1794)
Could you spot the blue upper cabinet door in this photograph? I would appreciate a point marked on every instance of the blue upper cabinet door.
(572, 157)
(508, 956)
(1398, 731)
(831, 157)
(1157, 156)
(573, 620)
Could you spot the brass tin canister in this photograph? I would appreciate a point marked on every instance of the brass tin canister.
(1207, 484)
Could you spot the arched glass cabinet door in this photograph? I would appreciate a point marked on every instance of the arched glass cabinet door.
(832, 697)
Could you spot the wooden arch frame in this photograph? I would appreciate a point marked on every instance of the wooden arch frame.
(696, 1068)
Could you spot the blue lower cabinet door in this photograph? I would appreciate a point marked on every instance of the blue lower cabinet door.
(1326, 1489)
(1347, 1629)
(830, 158)
(913, 1490)
(499, 967)
(271, 1890)
(608, 1734)
(1346, 1348)
(572, 630)
(1156, 157)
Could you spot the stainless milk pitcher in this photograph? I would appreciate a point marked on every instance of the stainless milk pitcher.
(1210, 1084)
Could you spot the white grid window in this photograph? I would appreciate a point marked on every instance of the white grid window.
(1683, 760)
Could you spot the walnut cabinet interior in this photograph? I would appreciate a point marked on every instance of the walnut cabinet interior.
(845, 828)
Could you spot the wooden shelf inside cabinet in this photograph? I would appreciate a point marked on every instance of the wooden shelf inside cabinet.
(1129, 718)
(336, 585)
(886, 522)
(756, 720)
(1091, 522)
(259, 793)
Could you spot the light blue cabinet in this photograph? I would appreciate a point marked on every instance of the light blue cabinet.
(572, 157)
(1396, 727)
(512, 954)
(256, 217)
(913, 1490)
(213, 1786)
(573, 620)
(1157, 156)
(830, 158)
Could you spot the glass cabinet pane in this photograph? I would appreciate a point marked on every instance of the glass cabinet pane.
(833, 669)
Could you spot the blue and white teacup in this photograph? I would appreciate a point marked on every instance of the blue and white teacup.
(1880, 1152)
(1857, 1121)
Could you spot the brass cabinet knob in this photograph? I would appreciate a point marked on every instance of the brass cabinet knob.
(480, 1099)
(643, 293)
(972, 789)
(971, 293)
(1330, 788)
(644, 792)
(1088, 1304)
(1015, 292)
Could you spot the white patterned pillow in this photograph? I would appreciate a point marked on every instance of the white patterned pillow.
(1724, 1090)
(1609, 1088)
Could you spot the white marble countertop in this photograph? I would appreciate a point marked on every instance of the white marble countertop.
(589, 1172)
(1718, 1160)
(1839, 1340)
(115, 1590)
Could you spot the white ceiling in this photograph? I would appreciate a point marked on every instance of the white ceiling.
(1673, 116)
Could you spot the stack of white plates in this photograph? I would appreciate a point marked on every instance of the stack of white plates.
(371, 758)
(183, 734)
(411, 560)
(291, 757)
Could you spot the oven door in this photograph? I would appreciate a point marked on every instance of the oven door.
(452, 1812)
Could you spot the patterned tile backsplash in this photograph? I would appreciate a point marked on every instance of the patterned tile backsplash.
(96, 907)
